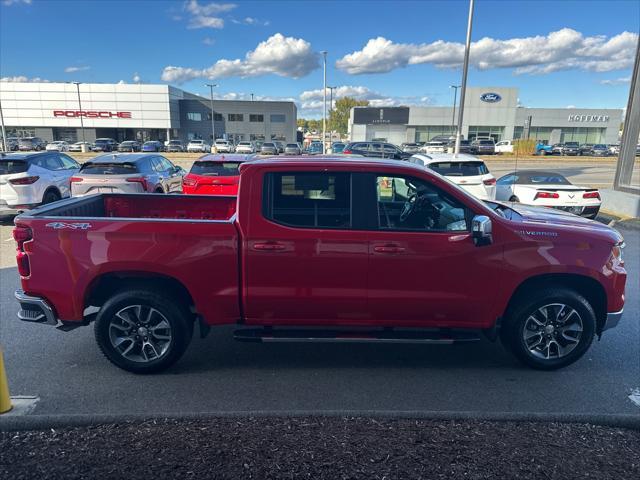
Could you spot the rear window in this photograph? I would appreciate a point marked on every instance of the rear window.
(13, 166)
(543, 179)
(175, 142)
(486, 142)
(223, 169)
(292, 145)
(268, 145)
(459, 169)
(108, 168)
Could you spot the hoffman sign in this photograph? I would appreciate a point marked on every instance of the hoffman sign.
(90, 114)
(588, 118)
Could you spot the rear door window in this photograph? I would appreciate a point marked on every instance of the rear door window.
(108, 168)
(311, 200)
(460, 169)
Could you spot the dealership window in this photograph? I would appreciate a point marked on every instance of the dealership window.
(256, 136)
(425, 134)
(518, 132)
(255, 117)
(69, 135)
(309, 200)
(583, 134)
(235, 117)
(194, 136)
(278, 118)
(494, 132)
(194, 116)
(217, 116)
(21, 132)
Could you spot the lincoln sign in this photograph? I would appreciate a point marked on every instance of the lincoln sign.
(90, 114)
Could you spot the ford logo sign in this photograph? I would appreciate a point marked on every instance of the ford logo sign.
(490, 97)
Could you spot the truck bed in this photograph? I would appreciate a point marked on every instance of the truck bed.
(139, 206)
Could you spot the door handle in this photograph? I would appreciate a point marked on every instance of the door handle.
(388, 249)
(269, 246)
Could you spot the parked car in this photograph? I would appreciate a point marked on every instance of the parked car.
(129, 146)
(174, 146)
(376, 150)
(152, 146)
(279, 145)
(28, 180)
(246, 147)
(504, 146)
(105, 145)
(269, 148)
(292, 149)
(12, 144)
(410, 147)
(77, 147)
(465, 146)
(585, 149)
(556, 148)
(127, 173)
(215, 174)
(58, 146)
(543, 149)
(337, 147)
(224, 146)
(486, 146)
(467, 171)
(198, 146)
(296, 264)
(548, 189)
(571, 148)
(31, 144)
(599, 150)
(436, 146)
(614, 149)
(314, 148)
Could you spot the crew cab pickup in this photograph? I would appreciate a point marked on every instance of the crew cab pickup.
(322, 249)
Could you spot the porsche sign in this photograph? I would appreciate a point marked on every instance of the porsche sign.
(90, 114)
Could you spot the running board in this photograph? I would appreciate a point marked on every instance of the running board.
(268, 335)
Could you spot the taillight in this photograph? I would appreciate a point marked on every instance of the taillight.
(347, 151)
(489, 181)
(76, 179)
(591, 195)
(189, 181)
(141, 180)
(546, 195)
(22, 234)
(24, 180)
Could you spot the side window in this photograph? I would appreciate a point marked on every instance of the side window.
(68, 163)
(311, 200)
(49, 162)
(406, 203)
(156, 165)
(166, 164)
(417, 161)
(388, 148)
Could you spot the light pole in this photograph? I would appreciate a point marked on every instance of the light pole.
(465, 68)
(252, 97)
(331, 89)
(324, 102)
(4, 133)
(455, 98)
(213, 124)
(77, 84)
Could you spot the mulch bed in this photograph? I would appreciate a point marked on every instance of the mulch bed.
(323, 448)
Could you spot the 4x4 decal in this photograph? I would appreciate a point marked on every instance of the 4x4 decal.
(72, 226)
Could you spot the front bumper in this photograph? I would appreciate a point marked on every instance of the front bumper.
(35, 309)
(612, 320)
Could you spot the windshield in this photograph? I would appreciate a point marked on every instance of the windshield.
(223, 169)
(91, 168)
(459, 169)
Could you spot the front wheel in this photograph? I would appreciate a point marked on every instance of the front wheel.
(143, 331)
(550, 329)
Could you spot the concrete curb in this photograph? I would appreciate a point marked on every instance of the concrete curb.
(45, 422)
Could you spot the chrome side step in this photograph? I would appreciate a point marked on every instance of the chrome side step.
(276, 335)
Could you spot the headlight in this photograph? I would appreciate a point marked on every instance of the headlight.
(616, 251)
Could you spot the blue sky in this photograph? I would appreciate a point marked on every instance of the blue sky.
(558, 53)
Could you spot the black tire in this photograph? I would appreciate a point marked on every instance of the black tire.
(514, 199)
(518, 318)
(50, 196)
(170, 309)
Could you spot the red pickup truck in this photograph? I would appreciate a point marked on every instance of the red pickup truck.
(323, 249)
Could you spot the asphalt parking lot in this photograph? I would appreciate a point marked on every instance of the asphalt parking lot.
(67, 374)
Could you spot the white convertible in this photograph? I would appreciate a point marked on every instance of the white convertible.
(548, 189)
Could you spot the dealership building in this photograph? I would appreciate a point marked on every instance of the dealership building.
(488, 111)
(53, 111)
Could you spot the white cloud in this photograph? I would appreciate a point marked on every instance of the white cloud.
(136, 78)
(278, 55)
(122, 82)
(206, 15)
(208, 41)
(22, 78)
(616, 81)
(8, 3)
(76, 69)
(565, 49)
(251, 21)
(570, 106)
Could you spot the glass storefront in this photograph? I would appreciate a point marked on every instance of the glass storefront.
(425, 134)
(494, 132)
(568, 134)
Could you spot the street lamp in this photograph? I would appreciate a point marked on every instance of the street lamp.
(84, 144)
(213, 125)
(4, 133)
(455, 98)
(331, 89)
(465, 69)
(324, 102)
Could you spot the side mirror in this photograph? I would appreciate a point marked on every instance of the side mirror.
(481, 230)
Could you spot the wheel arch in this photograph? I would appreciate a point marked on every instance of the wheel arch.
(586, 286)
(51, 188)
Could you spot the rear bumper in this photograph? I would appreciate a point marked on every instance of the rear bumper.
(35, 309)
(612, 320)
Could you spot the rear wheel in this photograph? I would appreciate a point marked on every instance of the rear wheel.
(50, 196)
(550, 329)
(514, 199)
(143, 331)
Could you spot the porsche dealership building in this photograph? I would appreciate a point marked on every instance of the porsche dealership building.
(488, 111)
(55, 111)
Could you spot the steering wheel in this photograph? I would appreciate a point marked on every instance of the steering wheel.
(408, 208)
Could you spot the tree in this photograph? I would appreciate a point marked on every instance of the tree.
(309, 125)
(339, 116)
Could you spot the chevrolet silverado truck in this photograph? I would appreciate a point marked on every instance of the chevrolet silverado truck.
(320, 250)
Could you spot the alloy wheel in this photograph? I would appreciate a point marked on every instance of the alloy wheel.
(140, 333)
(552, 331)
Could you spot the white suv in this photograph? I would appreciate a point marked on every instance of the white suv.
(28, 180)
(246, 147)
(198, 146)
(466, 171)
(224, 146)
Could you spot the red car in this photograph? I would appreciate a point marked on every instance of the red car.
(214, 174)
(340, 250)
